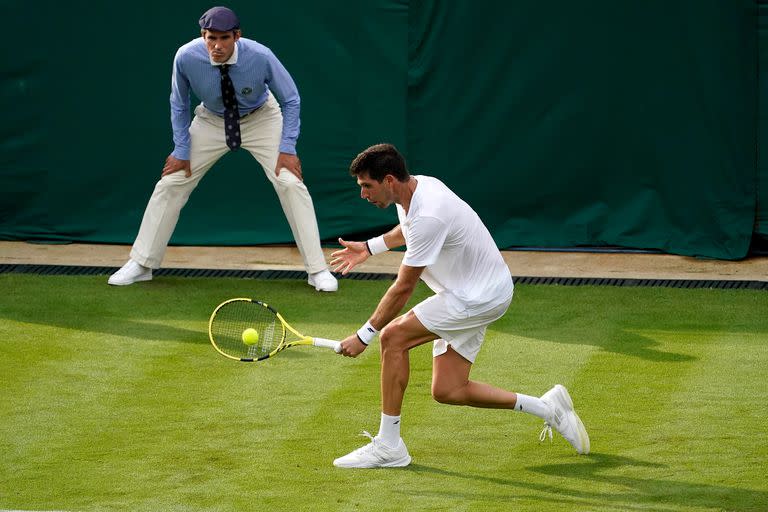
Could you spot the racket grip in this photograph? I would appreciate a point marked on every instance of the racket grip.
(322, 342)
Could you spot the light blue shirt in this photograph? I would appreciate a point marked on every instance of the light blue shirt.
(254, 71)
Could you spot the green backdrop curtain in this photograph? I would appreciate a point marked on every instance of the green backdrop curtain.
(599, 123)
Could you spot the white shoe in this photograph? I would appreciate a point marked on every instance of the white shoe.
(564, 419)
(375, 455)
(323, 281)
(130, 273)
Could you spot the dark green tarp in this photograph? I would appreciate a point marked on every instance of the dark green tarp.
(564, 124)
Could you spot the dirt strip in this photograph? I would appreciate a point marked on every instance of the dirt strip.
(521, 263)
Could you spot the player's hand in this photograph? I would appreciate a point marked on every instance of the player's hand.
(352, 346)
(173, 164)
(290, 162)
(350, 256)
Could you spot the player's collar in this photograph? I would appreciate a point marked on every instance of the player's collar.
(410, 189)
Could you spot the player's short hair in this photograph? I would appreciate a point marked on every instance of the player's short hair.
(378, 161)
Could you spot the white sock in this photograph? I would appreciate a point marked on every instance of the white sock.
(532, 405)
(389, 430)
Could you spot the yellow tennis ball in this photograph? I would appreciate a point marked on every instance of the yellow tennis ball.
(250, 336)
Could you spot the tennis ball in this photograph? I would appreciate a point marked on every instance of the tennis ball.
(250, 336)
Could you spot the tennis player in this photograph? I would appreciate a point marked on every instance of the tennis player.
(451, 250)
(235, 78)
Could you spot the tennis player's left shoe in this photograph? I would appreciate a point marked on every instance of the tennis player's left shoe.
(564, 419)
(376, 455)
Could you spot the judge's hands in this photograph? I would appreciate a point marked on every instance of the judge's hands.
(173, 164)
(290, 163)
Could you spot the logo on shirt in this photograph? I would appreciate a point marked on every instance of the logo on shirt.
(246, 90)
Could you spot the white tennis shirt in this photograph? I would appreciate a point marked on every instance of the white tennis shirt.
(445, 235)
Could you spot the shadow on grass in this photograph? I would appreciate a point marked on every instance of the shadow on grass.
(640, 346)
(601, 333)
(144, 311)
(137, 330)
(81, 305)
(623, 342)
(656, 491)
(615, 319)
(594, 470)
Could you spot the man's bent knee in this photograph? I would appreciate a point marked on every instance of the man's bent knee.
(445, 395)
(393, 337)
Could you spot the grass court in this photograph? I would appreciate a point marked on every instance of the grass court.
(113, 399)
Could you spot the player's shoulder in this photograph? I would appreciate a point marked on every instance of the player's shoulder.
(438, 200)
(428, 199)
(430, 181)
(433, 189)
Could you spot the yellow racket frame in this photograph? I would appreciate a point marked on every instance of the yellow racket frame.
(302, 339)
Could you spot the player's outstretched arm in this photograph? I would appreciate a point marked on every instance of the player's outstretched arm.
(389, 307)
(349, 257)
(354, 253)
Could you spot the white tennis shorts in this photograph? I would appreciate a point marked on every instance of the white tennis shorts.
(458, 324)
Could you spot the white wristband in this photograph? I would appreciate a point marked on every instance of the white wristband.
(366, 333)
(377, 245)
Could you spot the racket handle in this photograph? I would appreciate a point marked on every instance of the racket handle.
(322, 342)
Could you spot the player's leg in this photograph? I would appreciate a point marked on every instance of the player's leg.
(451, 384)
(387, 449)
(461, 337)
(169, 197)
(397, 339)
(261, 133)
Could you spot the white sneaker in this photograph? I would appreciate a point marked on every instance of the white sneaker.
(130, 273)
(564, 419)
(375, 455)
(323, 281)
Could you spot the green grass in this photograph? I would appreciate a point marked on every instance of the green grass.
(113, 399)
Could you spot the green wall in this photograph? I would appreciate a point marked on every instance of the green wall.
(564, 124)
(761, 221)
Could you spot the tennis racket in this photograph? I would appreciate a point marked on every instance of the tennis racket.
(232, 318)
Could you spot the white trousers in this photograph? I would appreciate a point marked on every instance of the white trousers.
(260, 134)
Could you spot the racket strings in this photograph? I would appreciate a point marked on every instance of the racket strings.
(235, 317)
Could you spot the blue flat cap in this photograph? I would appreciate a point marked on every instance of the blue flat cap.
(220, 19)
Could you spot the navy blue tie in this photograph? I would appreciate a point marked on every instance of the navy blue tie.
(231, 113)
